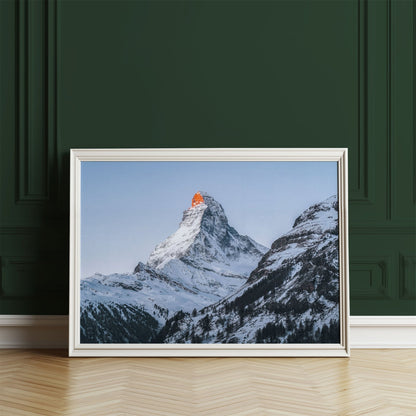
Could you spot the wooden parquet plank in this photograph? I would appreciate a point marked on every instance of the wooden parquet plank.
(371, 382)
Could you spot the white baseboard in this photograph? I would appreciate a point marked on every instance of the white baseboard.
(33, 331)
(51, 331)
(383, 331)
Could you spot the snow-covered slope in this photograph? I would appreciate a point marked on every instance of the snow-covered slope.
(145, 288)
(176, 245)
(149, 294)
(291, 296)
(206, 254)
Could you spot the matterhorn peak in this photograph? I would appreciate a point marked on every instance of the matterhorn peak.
(177, 244)
(205, 251)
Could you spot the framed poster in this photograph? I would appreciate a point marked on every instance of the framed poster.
(209, 252)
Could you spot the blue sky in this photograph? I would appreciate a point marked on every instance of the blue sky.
(127, 208)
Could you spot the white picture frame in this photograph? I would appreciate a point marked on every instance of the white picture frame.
(78, 156)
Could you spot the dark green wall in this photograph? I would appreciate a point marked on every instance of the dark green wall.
(202, 74)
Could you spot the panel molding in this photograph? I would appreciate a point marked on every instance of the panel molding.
(407, 277)
(378, 270)
(413, 17)
(36, 100)
(389, 146)
(360, 194)
(18, 264)
(384, 229)
(20, 230)
(402, 162)
(51, 331)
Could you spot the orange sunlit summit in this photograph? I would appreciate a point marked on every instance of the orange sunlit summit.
(197, 199)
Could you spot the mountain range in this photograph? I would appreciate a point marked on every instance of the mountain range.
(208, 283)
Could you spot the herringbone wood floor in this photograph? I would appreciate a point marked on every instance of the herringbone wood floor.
(371, 382)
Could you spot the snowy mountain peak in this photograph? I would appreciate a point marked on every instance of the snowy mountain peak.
(177, 244)
(312, 231)
(214, 209)
(205, 251)
(319, 217)
(205, 214)
(203, 234)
